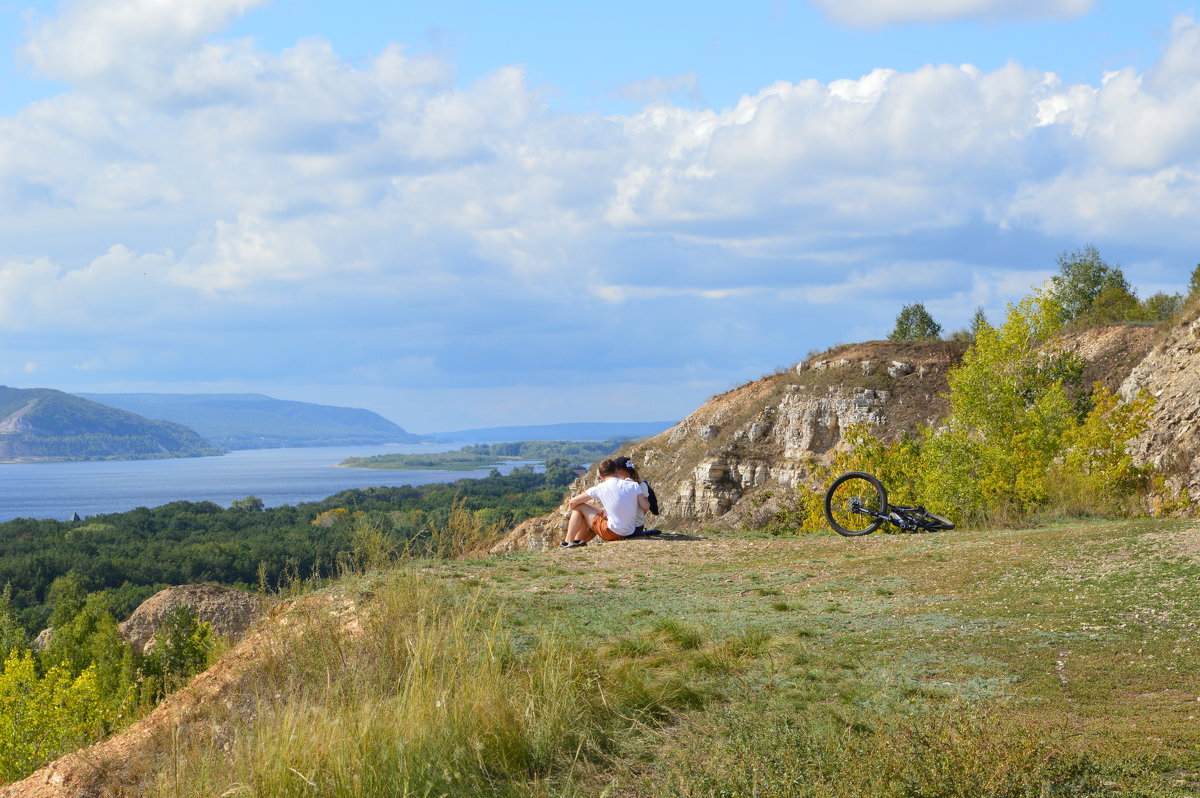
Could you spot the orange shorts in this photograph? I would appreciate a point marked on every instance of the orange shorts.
(600, 527)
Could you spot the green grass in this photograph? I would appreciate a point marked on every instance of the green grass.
(1061, 661)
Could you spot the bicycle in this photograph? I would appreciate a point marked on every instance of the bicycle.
(856, 504)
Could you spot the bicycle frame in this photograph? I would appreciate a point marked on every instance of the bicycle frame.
(899, 515)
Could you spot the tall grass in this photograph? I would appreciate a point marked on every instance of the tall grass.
(956, 751)
(426, 696)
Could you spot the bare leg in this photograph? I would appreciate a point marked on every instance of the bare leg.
(579, 525)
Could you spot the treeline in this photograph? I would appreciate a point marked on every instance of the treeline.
(127, 556)
(1086, 292)
(481, 455)
(102, 446)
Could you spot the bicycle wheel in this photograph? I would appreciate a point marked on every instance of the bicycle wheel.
(852, 503)
(937, 523)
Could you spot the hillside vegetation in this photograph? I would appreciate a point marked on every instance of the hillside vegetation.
(44, 424)
(1052, 662)
(130, 555)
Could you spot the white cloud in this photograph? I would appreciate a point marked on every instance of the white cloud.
(101, 39)
(882, 13)
(286, 203)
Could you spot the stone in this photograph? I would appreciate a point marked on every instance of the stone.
(228, 611)
(899, 369)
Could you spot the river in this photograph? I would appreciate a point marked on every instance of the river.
(277, 476)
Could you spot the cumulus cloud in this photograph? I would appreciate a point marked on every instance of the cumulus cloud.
(286, 202)
(98, 39)
(883, 13)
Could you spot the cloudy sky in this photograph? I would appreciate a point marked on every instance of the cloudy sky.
(466, 213)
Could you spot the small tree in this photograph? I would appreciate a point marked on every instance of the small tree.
(913, 323)
(12, 636)
(1161, 306)
(251, 504)
(1194, 285)
(1083, 277)
(979, 322)
(1115, 303)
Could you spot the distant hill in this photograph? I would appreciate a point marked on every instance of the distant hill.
(254, 421)
(44, 424)
(583, 431)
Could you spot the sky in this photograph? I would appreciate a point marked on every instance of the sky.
(468, 214)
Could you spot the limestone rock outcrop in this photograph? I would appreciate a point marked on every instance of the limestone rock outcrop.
(1170, 372)
(230, 612)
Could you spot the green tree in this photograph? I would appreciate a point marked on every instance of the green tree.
(183, 647)
(1115, 303)
(12, 636)
(66, 598)
(913, 323)
(1194, 284)
(42, 717)
(979, 321)
(250, 503)
(1161, 306)
(1083, 276)
(1008, 414)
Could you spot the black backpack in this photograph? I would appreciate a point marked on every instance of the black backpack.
(650, 497)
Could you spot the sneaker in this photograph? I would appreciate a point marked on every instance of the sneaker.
(574, 544)
(564, 545)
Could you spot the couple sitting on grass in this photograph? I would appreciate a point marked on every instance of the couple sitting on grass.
(624, 500)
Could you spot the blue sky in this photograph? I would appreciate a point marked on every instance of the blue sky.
(461, 214)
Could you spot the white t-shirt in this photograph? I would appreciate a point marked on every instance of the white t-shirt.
(640, 520)
(619, 498)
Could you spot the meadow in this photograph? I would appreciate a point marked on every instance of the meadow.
(1056, 661)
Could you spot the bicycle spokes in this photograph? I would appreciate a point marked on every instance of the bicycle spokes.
(855, 505)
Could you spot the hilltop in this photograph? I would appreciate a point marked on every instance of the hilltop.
(254, 421)
(735, 458)
(45, 424)
(1057, 661)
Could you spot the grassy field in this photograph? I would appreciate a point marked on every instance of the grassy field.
(1055, 661)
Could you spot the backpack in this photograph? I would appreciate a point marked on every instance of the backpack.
(650, 497)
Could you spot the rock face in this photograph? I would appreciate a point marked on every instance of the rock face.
(1171, 373)
(230, 612)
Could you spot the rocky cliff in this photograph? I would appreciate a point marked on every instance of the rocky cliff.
(1170, 371)
(731, 460)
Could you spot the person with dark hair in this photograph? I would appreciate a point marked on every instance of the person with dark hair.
(651, 499)
(616, 518)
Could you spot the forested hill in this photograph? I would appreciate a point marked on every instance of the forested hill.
(254, 421)
(44, 424)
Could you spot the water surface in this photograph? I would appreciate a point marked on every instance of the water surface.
(277, 476)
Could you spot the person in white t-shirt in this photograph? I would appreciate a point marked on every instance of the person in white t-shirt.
(640, 523)
(616, 517)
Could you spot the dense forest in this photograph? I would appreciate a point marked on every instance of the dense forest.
(129, 556)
